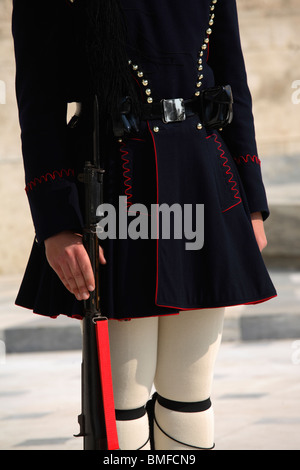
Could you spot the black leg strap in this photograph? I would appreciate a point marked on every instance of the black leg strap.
(192, 407)
(184, 407)
(129, 415)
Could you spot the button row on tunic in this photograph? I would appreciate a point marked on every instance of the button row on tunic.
(145, 82)
(201, 53)
(204, 47)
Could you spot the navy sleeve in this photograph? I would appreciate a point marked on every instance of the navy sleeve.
(37, 29)
(227, 61)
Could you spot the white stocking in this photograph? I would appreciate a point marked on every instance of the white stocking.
(133, 346)
(188, 344)
(180, 352)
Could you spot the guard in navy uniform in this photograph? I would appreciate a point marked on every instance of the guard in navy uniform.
(166, 138)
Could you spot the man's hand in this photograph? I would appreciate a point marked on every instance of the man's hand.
(259, 230)
(68, 257)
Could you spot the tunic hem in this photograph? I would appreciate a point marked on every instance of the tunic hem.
(216, 305)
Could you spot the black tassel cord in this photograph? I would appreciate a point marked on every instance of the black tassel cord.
(107, 55)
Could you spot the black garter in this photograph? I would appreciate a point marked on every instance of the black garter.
(183, 407)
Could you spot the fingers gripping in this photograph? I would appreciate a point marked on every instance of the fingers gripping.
(68, 257)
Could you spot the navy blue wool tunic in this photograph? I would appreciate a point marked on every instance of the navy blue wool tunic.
(176, 49)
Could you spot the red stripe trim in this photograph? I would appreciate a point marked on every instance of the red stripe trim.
(53, 176)
(221, 306)
(175, 308)
(228, 172)
(157, 202)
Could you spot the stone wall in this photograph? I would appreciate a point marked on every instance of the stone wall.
(16, 231)
(271, 42)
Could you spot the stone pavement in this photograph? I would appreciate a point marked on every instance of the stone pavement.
(256, 398)
(257, 376)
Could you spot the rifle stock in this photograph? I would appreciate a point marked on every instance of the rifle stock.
(92, 421)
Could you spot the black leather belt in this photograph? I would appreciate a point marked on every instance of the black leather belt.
(213, 106)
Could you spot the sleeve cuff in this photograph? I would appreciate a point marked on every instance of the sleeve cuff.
(56, 210)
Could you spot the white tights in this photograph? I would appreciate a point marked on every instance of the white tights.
(176, 354)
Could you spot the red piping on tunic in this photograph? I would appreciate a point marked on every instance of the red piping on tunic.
(221, 306)
(79, 317)
(157, 202)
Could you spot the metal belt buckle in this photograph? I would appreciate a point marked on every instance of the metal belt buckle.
(173, 110)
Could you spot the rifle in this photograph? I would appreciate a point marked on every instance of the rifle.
(97, 420)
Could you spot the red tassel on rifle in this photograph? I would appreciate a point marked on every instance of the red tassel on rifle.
(106, 382)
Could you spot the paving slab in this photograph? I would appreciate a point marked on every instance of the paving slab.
(255, 397)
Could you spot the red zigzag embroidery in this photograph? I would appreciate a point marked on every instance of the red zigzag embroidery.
(127, 178)
(44, 178)
(253, 158)
(228, 172)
